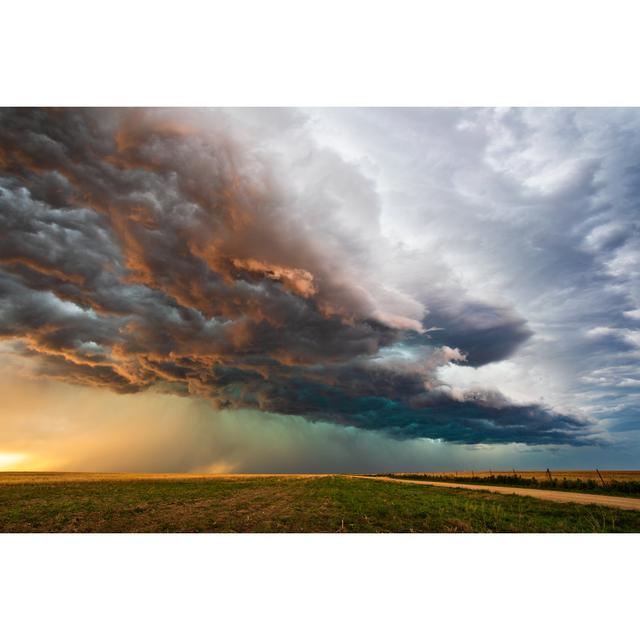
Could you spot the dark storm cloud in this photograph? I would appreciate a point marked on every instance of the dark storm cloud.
(470, 420)
(167, 248)
(484, 333)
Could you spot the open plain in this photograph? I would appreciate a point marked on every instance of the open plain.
(79, 502)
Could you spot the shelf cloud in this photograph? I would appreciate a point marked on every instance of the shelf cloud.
(233, 255)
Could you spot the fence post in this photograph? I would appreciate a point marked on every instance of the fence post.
(601, 478)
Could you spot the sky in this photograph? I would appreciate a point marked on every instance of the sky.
(319, 290)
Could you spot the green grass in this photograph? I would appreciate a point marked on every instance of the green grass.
(630, 488)
(287, 504)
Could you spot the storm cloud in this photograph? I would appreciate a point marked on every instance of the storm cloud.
(229, 255)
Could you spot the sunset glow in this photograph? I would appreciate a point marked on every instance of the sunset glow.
(11, 461)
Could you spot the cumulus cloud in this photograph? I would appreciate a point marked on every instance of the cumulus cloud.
(229, 255)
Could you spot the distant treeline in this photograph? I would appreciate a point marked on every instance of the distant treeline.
(611, 487)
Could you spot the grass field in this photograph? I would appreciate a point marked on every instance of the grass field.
(165, 503)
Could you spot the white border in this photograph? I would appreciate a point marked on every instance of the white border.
(335, 52)
(318, 586)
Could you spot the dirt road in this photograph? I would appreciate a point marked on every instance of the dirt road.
(543, 494)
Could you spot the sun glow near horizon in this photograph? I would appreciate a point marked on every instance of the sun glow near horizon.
(12, 461)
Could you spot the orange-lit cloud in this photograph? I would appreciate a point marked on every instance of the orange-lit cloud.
(184, 251)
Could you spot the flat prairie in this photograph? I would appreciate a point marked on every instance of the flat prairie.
(128, 503)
